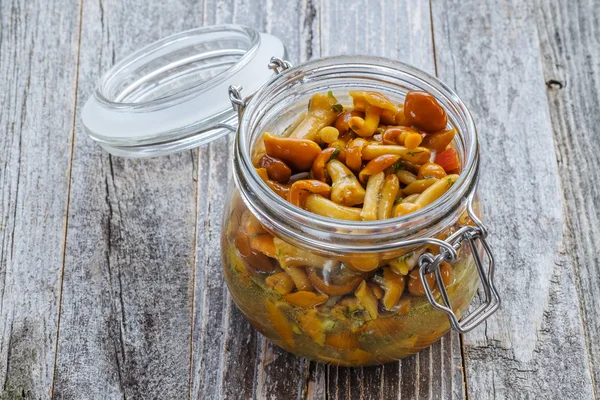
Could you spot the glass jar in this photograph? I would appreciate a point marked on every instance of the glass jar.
(327, 260)
(306, 290)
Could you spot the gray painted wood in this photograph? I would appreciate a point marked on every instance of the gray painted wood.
(371, 27)
(126, 316)
(569, 35)
(38, 64)
(225, 348)
(145, 312)
(534, 346)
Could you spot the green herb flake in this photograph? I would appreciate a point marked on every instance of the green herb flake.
(330, 94)
(335, 153)
(398, 200)
(405, 256)
(354, 128)
(337, 108)
(397, 166)
(413, 153)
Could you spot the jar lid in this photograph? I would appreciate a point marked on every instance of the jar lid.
(173, 94)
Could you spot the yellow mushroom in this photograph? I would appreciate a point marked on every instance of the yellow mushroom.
(300, 278)
(393, 286)
(435, 191)
(374, 186)
(366, 127)
(391, 186)
(323, 109)
(411, 198)
(280, 322)
(406, 177)
(419, 186)
(418, 155)
(263, 243)
(359, 102)
(292, 256)
(405, 263)
(329, 134)
(405, 208)
(374, 106)
(379, 100)
(327, 208)
(345, 188)
(305, 299)
(367, 298)
(280, 282)
(311, 324)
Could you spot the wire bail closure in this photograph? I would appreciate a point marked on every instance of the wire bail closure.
(429, 263)
(238, 102)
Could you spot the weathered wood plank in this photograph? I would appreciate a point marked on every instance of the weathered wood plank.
(36, 124)
(398, 30)
(225, 348)
(569, 35)
(534, 346)
(126, 313)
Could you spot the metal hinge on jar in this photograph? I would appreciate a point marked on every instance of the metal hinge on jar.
(428, 263)
(238, 102)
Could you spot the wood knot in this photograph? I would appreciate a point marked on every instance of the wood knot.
(554, 84)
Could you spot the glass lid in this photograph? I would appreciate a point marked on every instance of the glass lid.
(173, 94)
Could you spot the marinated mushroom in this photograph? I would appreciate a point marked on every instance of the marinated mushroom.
(418, 155)
(345, 188)
(372, 161)
(377, 165)
(318, 167)
(374, 186)
(421, 109)
(299, 154)
(302, 188)
(276, 169)
(375, 103)
(323, 109)
(389, 192)
(328, 208)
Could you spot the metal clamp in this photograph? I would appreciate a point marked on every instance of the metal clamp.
(235, 92)
(278, 65)
(429, 263)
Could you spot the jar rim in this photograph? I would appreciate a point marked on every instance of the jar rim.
(337, 235)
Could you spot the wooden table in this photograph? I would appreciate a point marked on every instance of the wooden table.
(110, 273)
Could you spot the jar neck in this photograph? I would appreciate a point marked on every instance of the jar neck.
(279, 97)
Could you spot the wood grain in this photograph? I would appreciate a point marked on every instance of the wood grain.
(126, 314)
(225, 348)
(36, 121)
(143, 311)
(570, 43)
(534, 346)
(373, 28)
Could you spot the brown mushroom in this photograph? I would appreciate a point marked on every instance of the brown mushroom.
(299, 154)
(301, 189)
(377, 165)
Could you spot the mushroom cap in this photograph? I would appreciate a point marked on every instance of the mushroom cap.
(381, 101)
